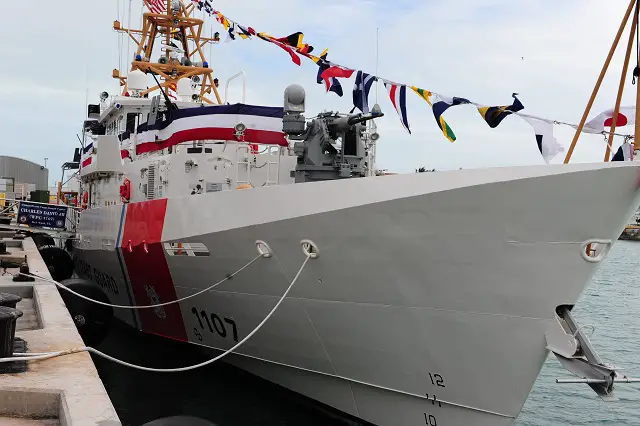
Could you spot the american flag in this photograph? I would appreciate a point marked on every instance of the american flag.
(157, 6)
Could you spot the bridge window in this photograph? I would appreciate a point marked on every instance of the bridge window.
(131, 122)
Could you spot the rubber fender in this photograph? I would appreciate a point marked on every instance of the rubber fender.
(43, 240)
(180, 421)
(93, 321)
(58, 262)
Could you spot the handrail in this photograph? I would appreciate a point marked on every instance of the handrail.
(44, 204)
(7, 208)
(244, 85)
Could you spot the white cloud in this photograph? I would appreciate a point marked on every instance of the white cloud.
(457, 47)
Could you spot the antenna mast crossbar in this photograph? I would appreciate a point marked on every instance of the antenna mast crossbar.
(177, 28)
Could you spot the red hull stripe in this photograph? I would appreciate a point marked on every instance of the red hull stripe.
(213, 133)
(149, 274)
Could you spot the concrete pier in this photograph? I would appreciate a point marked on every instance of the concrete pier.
(65, 391)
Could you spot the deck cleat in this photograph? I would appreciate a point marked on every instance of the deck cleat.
(18, 236)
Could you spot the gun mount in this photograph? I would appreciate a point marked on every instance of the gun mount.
(331, 145)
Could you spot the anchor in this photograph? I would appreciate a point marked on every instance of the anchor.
(573, 349)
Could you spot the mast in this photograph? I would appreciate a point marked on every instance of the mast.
(178, 31)
(633, 4)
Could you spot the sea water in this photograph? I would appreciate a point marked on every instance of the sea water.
(611, 303)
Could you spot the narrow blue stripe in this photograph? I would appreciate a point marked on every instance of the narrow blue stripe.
(124, 207)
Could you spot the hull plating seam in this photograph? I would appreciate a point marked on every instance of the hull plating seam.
(322, 344)
(547, 242)
(380, 305)
(324, 349)
(336, 376)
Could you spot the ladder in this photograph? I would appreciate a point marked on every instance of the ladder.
(271, 164)
(242, 158)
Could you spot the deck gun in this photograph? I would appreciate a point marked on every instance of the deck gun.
(319, 157)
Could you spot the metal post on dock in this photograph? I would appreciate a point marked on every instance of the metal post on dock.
(8, 318)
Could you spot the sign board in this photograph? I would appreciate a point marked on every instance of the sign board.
(213, 187)
(42, 215)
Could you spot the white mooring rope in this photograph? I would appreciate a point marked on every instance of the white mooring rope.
(49, 355)
(63, 287)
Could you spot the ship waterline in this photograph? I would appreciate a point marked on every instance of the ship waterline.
(428, 302)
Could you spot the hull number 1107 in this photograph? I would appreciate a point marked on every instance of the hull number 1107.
(214, 322)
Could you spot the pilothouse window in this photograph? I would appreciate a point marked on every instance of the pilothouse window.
(198, 150)
(131, 122)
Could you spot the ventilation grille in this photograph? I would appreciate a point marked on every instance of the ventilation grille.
(151, 182)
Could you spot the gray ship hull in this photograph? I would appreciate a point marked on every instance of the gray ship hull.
(428, 303)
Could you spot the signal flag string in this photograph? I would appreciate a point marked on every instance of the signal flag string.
(304, 51)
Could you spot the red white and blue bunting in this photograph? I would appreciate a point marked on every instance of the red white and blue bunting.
(263, 125)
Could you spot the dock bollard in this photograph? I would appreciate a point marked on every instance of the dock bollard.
(24, 269)
(3, 247)
(9, 300)
(8, 319)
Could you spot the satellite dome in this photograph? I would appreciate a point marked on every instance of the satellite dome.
(137, 80)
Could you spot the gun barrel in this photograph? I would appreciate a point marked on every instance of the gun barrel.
(343, 123)
(361, 118)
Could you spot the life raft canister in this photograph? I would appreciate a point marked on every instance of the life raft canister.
(125, 191)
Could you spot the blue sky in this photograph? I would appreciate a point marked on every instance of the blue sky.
(454, 47)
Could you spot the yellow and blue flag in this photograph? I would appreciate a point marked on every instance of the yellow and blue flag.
(439, 105)
(495, 114)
